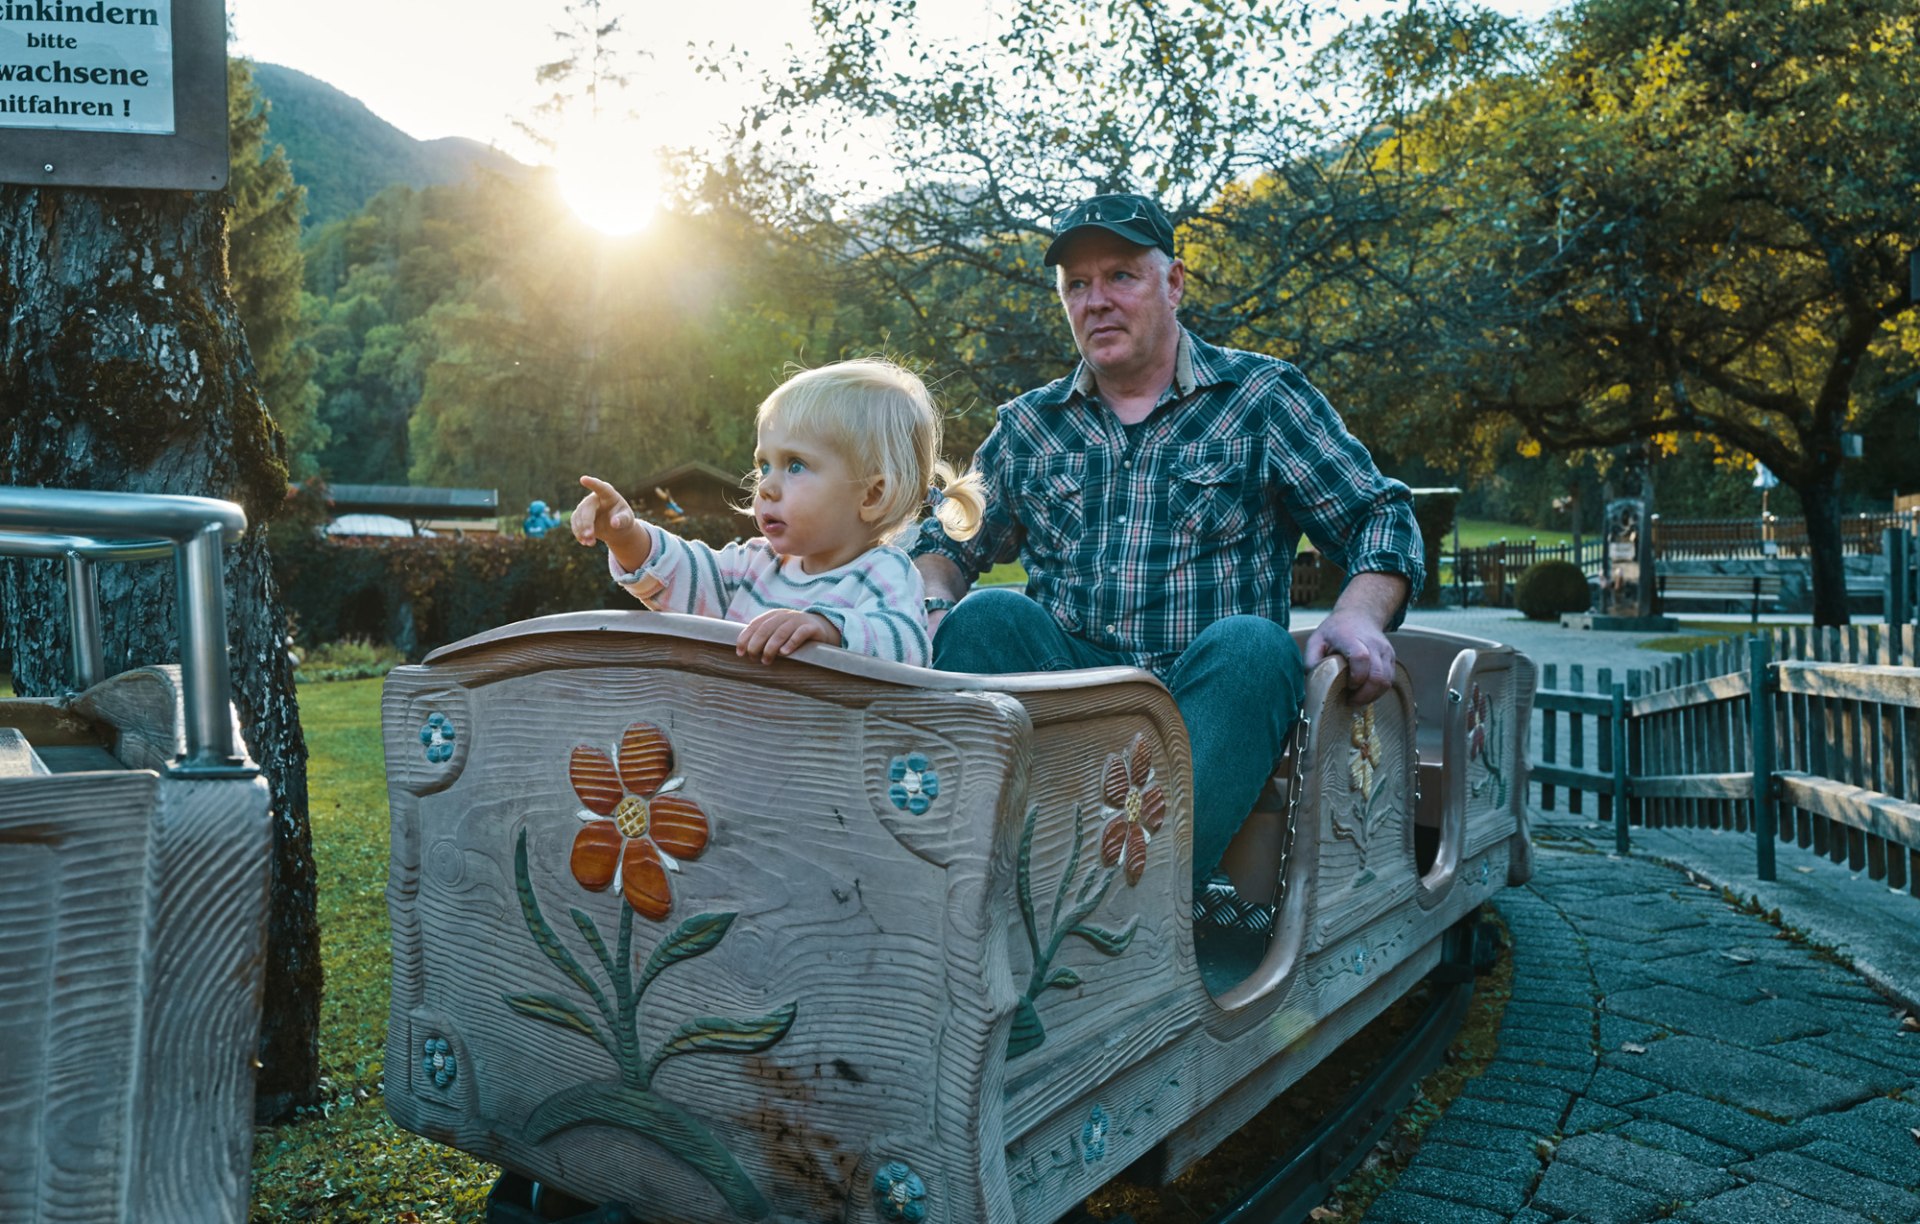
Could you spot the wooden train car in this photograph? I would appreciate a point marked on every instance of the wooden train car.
(838, 939)
(134, 866)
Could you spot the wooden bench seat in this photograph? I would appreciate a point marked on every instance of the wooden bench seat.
(1723, 589)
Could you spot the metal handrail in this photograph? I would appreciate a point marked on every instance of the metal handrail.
(84, 527)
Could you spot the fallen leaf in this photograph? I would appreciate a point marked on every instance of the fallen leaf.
(1632, 1047)
(1738, 957)
(1804, 870)
(1323, 1213)
(1915, 1132)
(1910, 1024)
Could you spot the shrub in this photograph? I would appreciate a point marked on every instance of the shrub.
(422, 593)
(351, 659)
(1549, 588)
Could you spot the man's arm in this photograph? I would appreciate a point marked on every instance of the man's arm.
(943, 580)
(1357, 628)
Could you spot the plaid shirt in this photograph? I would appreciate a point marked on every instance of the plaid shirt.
(1135, 539)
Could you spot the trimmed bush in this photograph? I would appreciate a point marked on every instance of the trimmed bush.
(418, 594)
(1549, 588)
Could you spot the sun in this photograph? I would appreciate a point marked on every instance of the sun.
(609, 175)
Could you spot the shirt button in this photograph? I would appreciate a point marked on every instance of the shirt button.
(1109, 628)
(1113, 569)
(1126, 463)
(1121, 519)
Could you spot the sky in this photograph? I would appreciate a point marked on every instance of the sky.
(465, 67)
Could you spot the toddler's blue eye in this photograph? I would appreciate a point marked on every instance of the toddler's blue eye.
(764, 468)
(795, 467)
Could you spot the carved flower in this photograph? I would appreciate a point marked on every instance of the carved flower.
(636, 829)
(915, 784)
(1366, 751)
(1130, 787)
(1477, 707)
(437, 1059)
(437, 738)
(1093, 1136)
(899, 1193)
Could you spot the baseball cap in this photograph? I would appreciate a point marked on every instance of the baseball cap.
(1134, 217)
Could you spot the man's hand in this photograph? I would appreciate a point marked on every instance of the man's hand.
(1356, 628)
(942, 580)
(782, 631)
(603, 516)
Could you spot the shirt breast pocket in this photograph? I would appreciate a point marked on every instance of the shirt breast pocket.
(1052, 502)
(1209, 491)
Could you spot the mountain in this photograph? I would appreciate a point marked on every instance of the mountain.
(343, 153)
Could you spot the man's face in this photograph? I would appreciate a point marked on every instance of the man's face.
(1120, 300)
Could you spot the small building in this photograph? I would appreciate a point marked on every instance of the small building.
(360, 509)
(692, 488)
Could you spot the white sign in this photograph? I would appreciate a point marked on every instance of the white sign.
(87, 65)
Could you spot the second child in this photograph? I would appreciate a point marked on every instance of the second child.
(848, 455)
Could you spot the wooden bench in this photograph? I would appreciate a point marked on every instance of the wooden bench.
(1722, 588)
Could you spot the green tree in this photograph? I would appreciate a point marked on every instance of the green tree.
(144, 384)
(263, 235)
(1673, 219)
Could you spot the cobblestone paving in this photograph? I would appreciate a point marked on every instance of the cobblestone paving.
(1665, 1055)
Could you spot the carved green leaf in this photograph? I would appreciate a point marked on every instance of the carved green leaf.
(591, 934)
(1111, 943)
(719, 1035)
(1024, 880)
(543, 935)
(554, 1010)
(1063, 979)
(696, 936)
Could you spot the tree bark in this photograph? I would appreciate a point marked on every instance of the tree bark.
(1826, 556)
(123, 367)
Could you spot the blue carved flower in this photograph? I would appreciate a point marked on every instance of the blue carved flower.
(438, 1061)
(1093, 1136)
(437, 735)
(1360, 961)
(915, 785)
(899, 1194)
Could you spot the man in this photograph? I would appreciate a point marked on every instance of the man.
(1156, 497)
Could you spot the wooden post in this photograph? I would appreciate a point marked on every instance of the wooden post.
(1761, 720)
(1620, 768)
(1549, 727)
(1899, 595)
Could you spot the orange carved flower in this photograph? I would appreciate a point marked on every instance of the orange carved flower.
(636, 829)
(1130, 786)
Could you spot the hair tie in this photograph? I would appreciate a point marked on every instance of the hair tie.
(935, 496)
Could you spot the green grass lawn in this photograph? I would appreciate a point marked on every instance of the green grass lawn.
(1478, 533)
(347, 1161)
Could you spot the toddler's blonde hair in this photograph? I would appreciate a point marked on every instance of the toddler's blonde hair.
(880, 418)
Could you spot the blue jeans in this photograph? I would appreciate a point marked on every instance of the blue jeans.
(1238, 688)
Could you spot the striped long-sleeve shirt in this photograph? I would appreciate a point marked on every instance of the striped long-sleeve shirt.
(1135, 538)
(876, 600)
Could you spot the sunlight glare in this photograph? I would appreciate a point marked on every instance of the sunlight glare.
(609, 176)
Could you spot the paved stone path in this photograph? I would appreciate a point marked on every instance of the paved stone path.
(1666, 1055)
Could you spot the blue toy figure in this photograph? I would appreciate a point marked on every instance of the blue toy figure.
(540, 520)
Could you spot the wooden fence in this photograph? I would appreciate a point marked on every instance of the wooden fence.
(1486, 575)
(1772, 536)
(1832, 750)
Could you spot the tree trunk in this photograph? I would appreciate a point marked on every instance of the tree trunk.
(1826, 556)
(123, 367)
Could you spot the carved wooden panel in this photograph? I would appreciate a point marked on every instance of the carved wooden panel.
(852, 941)
(132, 917)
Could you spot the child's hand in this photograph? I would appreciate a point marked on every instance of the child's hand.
(783, 631)
(602, 514)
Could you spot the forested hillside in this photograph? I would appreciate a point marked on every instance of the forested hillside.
(344, 154)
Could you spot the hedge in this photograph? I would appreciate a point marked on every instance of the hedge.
(420, 594)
